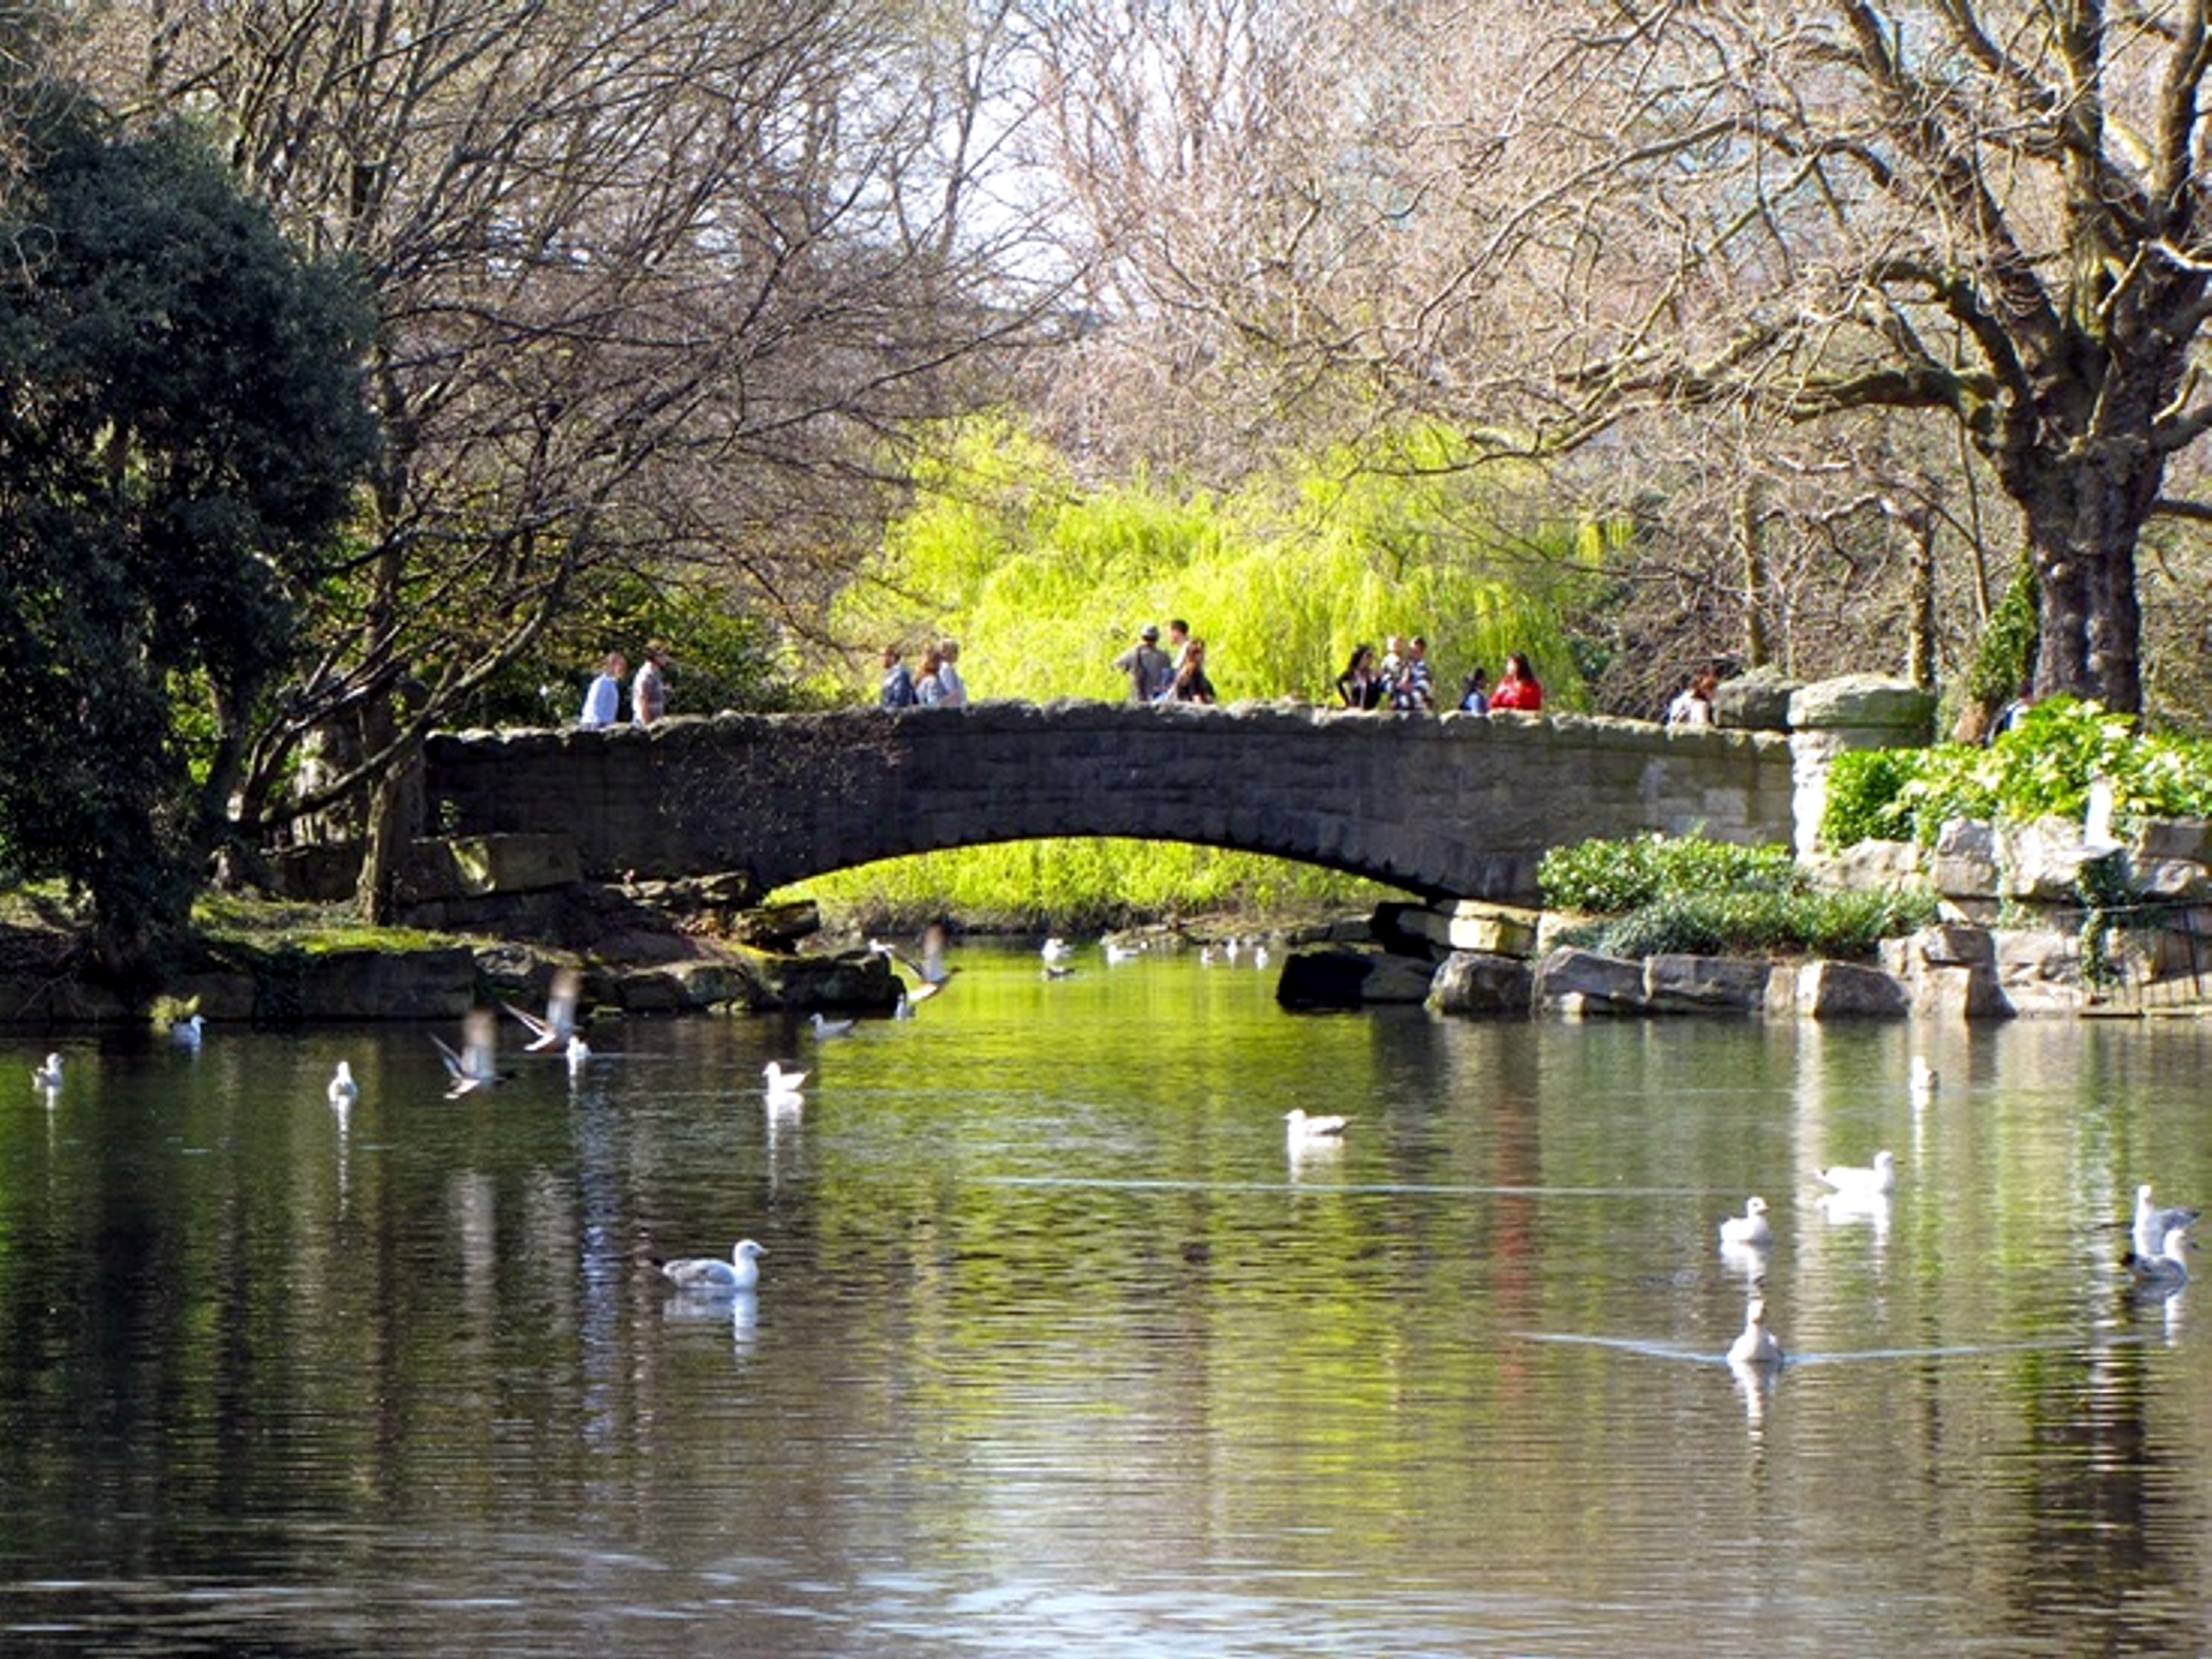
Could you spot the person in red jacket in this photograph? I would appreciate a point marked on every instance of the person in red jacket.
(1517, 687)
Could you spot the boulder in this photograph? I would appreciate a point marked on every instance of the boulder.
(1578, 982)
(1965, 862)
(2042, 861)
(1850, 990)
(1705, 985)
(1395, 979)
(1335, 977)
(1476, 982)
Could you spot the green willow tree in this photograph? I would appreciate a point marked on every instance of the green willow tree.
(182, 426)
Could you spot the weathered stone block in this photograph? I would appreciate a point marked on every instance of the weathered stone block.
(437, 983)
(1867, 864)
(1850, 990)
(2042, 861)
(1475, 925)
(2172, 838)
(39, 998)
(1965, 862)
(1953, 945)
(1575, 981)
(1860, 700)
(1398, 979)
(1473, 983)
(1758, 701)
(1705, 985)
(471, 866)
(2027, 956)
(2172, 881)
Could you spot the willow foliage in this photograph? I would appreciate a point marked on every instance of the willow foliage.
(1044, 582)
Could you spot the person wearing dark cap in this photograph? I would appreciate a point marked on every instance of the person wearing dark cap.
(1150, 669)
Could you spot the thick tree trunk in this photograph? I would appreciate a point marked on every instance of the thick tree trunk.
(2082, 528)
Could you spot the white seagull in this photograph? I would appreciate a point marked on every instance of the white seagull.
(2153, 1223)
(1305, 1130)
(185, 1033)
(1056, 949)
(1117, 954)
(1859, 1180)
(1757, 1345)
(782, 1087)
(559, 1023)
(343, 1091)
(710, 1272)
(48, 1076)
(1750, 1229)
(476, 1066)
(2167, 1270)
(578, 1052)
(831, 1028)
(1924, 1079)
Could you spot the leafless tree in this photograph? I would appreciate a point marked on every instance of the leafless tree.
(664, 284)
(1553, 219)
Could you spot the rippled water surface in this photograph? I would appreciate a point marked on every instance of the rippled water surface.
(1058, 1349)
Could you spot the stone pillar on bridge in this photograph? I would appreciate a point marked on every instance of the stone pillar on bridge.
(1830, 717)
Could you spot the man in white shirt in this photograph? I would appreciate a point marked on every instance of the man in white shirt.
(603, 700)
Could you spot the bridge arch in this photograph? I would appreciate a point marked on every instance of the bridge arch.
(1448, 805)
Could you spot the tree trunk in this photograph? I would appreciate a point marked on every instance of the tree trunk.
(1751, 559)
(1920, 634)
(2082, 527)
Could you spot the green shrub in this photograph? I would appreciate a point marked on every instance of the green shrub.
(2041, 768)
(1867, 796)
(1659, 895)
(1611, 878)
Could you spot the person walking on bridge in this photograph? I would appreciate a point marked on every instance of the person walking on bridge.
(1151, 671)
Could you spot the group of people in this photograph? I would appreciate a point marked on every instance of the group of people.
(648, 691)
(1401, 679)
(934, 681)
(1158, 675)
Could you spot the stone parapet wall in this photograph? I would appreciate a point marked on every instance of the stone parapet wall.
(1452, 804)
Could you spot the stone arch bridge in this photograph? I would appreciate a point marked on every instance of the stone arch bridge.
(1443, 806)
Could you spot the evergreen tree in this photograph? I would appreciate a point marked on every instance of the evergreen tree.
(182, 428)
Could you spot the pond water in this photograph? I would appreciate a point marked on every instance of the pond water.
(1058, 1348)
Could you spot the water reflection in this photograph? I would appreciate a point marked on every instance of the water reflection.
(1061, 1344)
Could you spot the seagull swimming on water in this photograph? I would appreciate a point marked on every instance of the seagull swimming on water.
(2153, 1223)
(2168, 1269)
(1859, 1180)
(1751, 1228)
(185, 1033)
(1757, 1345)
(711, 1273)
(782, 1087)
(1056, 949)
(831, 1028)
(1305, 1130)
(48, 1076)
(343, 1091)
